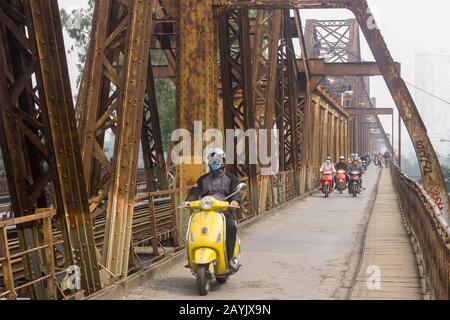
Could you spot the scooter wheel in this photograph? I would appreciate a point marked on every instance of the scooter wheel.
(202, 280)
(222, 280)
(327, 192)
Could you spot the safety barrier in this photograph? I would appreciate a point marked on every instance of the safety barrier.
(430, 230)
(282, 188)
(156, 232)
(9, 288)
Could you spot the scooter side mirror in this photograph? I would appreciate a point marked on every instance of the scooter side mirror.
(242, 187)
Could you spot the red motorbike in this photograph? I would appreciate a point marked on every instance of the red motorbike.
(341, 180)
(327, 183)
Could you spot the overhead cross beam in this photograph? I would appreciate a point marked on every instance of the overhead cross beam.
(283, 4)
(369, 111)
(318, 67)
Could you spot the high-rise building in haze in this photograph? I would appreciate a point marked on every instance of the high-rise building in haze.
(433, 76)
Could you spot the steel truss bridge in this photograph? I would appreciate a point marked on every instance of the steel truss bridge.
(234, 65)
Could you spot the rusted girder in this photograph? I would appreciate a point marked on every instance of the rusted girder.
(433, 178)
(112, 109)
(38, 133)
(197, 79)
(291, 103)
(152, 148)
(283, 4)
(319, 67)
(163, 72)
(237, 95)
(337, 41)
(369, 111)
(264, 76)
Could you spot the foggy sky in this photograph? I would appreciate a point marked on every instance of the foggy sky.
(408, 27)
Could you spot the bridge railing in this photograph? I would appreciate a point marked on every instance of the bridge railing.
(12, 257)
(281, 189)
(429, 229)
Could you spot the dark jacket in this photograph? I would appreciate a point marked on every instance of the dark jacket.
(218, 184)
(341, 166)
(353, 167)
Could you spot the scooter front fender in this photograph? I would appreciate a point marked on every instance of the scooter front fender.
(204, 256)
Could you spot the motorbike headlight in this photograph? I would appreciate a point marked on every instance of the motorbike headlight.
(206, 203)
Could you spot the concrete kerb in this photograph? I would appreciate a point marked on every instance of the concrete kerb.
(122, 287)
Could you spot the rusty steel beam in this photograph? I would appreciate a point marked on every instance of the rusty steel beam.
(369, 111)
(433, 178)
(303, 108)
(113, 106)
(237, 95)
(292, 105)
(39, 139)
(128, 126)
(283, 4)
(338, 42)
(287, 99)
(197, 78)
(318, 67)
(264, 76)
(371, 105)
(152, 148)
(163, 72)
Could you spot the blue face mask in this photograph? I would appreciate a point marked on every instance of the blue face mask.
(215, 166)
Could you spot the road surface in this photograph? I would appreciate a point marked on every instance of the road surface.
(309, 249)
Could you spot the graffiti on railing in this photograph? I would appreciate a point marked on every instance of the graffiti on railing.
(437, 198)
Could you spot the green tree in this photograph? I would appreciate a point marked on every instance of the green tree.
(78, 24)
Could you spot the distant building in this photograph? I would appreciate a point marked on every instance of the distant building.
(433, 75)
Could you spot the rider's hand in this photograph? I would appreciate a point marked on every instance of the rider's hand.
(186, 204)
(234, 204)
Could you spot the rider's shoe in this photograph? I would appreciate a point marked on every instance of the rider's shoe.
(233, 265)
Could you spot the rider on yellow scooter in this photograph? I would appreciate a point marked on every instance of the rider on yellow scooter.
(220, 184)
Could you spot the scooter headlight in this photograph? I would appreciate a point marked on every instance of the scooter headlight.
(206, 203)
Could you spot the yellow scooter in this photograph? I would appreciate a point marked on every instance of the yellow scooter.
(206, 242)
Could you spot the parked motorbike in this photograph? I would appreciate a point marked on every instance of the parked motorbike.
(327, 183)
(341, 180)
(206, 242)
(355, 183)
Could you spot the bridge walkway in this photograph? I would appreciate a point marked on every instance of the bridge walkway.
(387, 252)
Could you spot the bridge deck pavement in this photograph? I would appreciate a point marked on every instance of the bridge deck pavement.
(387, 252)
(309, 249)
